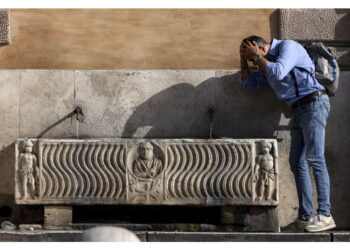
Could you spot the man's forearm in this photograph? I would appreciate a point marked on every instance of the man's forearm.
(244, 68)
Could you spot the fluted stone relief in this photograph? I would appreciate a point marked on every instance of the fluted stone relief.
(154, 171)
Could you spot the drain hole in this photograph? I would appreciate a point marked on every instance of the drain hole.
(5, 211)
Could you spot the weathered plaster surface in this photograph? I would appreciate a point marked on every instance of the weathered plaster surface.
(145, 103)
(45, 97)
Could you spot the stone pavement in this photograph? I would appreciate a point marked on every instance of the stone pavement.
(74, 235)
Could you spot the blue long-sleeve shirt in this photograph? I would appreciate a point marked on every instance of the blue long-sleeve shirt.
(283, 57)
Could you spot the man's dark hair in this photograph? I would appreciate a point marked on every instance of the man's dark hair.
(259, 40)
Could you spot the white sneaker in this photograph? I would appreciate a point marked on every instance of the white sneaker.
(320, 223)
(297, 226)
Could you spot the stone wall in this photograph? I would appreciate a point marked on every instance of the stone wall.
(330, 26)
(4, 27)
(163, 104)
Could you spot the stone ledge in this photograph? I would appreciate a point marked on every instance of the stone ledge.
(49, 236)
(74, 235)
(341, 237)
(39, 236)
(237, 237)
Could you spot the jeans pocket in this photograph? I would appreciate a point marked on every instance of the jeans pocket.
(323, 112)
(326, 106)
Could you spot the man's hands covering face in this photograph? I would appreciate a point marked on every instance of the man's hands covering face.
(249, 50)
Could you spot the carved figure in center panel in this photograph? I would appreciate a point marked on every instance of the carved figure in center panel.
(28, 170)
(264, 172)
(145, 179)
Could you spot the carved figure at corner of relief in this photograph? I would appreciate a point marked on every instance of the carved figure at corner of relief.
(28, 170)
(265, 172)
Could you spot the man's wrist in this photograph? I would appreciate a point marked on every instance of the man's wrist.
(257, 58)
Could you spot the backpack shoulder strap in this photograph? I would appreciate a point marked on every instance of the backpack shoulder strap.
(295, 82)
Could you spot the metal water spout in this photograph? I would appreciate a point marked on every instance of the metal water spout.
(79, 115)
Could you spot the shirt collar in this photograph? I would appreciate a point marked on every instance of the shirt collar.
(273, 52)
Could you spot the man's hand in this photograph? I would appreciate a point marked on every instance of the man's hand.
(244, 63)
(251, 49)
(242, 51)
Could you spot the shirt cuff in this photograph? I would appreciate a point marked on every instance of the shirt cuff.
(243, 81)
(269, 67)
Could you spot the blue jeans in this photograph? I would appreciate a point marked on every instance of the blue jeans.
(307, 150)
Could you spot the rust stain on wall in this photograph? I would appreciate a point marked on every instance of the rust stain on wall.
(132, 38)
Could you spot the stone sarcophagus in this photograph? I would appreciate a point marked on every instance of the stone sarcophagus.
(147, 171)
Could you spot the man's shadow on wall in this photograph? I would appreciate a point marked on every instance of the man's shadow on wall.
(181, 111)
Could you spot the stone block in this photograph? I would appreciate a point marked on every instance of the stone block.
(251, 219)
(262, 219)
(30, 227)
(41, 236)
(4, 27)
(327, 25)
(315, 24)
(46, 98)
(57, 217)
(153, 104)
(144, 171)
